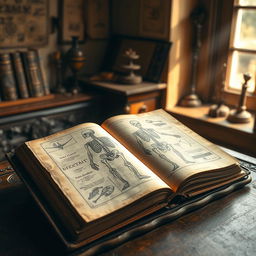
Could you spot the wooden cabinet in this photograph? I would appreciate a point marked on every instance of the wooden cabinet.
(32, 118)
(128, 99)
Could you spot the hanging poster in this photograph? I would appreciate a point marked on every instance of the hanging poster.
(97, 13)
(23, 23)
(72, 20)
(154, 18)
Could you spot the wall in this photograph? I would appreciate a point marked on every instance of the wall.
(94, 50)
(179, 75)
(125, 19)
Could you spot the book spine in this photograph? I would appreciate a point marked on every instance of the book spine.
(33, 74)
(7, 81)
(42, 73)
(20, 75)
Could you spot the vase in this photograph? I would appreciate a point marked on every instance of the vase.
(75, 60)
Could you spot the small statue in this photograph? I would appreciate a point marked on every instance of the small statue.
(131, 78)
(240, 115)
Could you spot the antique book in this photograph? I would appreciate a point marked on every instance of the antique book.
(19, 75)
(7, 80)
(98, 179)
(33, 73)
(42, 73)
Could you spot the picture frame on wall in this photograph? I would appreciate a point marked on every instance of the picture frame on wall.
(27, 27)
(153, 55)
(72, 20)
(154, 18)
(97, 19)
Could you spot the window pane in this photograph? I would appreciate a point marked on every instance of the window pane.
(242, 63)
(245, 31)
(246, 2)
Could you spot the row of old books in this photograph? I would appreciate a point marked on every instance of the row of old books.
(21, 75)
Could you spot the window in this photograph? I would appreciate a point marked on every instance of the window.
(239, 51)
(242, 56)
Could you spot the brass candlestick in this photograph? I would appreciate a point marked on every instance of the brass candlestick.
(192, 99)
(240, 115)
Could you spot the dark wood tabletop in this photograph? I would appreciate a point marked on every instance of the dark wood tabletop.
(226, 226)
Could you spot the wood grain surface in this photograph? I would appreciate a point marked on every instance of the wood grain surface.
(223, 227)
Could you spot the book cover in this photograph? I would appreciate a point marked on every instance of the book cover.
(19, 75)
(33, 73)
(42, 73)
(7, 81)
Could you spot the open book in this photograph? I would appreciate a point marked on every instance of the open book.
(97, 179)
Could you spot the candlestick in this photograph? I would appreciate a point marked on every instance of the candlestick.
(192, 99)
(240, 115)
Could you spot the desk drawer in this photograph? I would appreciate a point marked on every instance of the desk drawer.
(143, 106)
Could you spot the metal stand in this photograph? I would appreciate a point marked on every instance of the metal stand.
(131, 78)
(192, 99)
(240, 115)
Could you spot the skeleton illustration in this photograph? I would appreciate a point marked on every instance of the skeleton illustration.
(158, 147)
(99, 192)
(102, 145)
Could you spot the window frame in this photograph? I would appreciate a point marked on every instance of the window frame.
(222, 43)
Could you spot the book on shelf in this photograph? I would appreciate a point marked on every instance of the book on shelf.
(93, 180)
(7, 80)
(32, 73)
(42, 73)
(19, 75)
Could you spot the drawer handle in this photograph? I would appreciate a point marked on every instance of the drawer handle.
(127, 109)
(143, 109)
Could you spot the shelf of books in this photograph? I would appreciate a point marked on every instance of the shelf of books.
(22, 75)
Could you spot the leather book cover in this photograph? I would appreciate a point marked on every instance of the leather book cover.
(42, 74)
(33, 73)
(7, 80)
(19, 75)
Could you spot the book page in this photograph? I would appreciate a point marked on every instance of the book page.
(173, 151)
(94, 171)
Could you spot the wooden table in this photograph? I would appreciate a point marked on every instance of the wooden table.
(226, 226)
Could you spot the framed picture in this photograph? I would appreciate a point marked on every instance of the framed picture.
(154, 18)
(72, 20)
(24, 23)
(152, 56)
(97, 22)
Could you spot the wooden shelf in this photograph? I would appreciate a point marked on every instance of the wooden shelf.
(239, 137)
(32, 104)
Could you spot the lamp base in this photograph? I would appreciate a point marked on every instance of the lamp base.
(239, 116)
(130, 79)
(191, 100)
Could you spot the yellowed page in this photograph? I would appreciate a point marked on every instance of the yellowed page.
(95, 172)
(166, 146)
